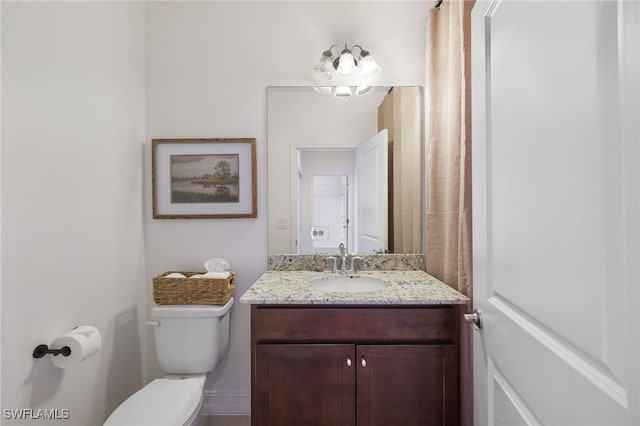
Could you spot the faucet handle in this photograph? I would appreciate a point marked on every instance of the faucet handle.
(342, 249)
(334, 269)
(352, 267)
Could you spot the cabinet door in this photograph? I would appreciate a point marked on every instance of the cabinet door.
(407, 385)
(304, 385)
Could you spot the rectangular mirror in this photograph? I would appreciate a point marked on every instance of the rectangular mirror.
(345, 171)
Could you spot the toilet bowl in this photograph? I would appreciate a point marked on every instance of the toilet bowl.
(190, 340)
(166, 401)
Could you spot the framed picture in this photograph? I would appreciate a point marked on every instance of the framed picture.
(204, 178)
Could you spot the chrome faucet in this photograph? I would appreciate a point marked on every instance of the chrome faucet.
(343, 257)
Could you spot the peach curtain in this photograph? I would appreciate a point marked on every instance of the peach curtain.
(448, 150)
(401, 114)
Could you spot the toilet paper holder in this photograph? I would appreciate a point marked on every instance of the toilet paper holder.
(42, 350)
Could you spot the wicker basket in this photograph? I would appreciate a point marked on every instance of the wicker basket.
(192, 291)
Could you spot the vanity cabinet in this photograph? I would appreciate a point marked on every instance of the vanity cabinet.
(355, 365)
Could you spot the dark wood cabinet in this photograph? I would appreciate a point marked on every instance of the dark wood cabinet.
(407, 385)
(305, 384)
(355, 366)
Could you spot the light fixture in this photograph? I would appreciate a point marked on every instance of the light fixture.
(343, 91)
(367, 65)
(323, 90)
(345, 64)
(363, 90)
(323, 69)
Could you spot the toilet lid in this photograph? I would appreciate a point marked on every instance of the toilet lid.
(167, 401)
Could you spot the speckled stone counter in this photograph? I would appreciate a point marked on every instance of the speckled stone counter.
(365, 262)
(406, 288)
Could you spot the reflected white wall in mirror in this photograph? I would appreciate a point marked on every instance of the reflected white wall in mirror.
(309, 135)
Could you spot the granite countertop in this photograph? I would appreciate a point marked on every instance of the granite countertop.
(406, 288)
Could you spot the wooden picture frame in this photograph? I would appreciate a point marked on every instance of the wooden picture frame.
(204, 178)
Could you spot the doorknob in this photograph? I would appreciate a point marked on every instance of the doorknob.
(474, 318)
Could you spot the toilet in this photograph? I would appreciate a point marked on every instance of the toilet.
(190, 340)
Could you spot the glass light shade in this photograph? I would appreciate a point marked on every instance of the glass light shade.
(347, 65)
(325, 90)
(368, 66)
(363, 90)
(323, 69)
(342, 92)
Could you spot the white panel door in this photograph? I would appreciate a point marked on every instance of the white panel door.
(556, 212)
(372, 194)
(329, 214)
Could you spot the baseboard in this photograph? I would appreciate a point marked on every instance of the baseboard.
(224, 403)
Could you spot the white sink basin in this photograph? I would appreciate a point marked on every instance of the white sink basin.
(348, 284)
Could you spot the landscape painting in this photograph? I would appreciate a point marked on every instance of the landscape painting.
(204, 178)
(207, 178)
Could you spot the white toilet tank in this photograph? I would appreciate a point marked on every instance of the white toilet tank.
(191, 338)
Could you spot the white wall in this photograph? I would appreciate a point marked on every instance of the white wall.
(72, 242)
(208, 66)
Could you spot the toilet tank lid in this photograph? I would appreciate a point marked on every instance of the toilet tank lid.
(167, 401)
(191, 311)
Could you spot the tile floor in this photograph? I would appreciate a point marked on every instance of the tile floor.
(225, 421)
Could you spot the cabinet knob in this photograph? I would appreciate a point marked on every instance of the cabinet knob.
(348, 362)
(363, 362)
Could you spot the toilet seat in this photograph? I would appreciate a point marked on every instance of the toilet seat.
(170, 401)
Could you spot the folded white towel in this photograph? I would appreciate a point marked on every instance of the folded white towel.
(175, 275)
(216, 274)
